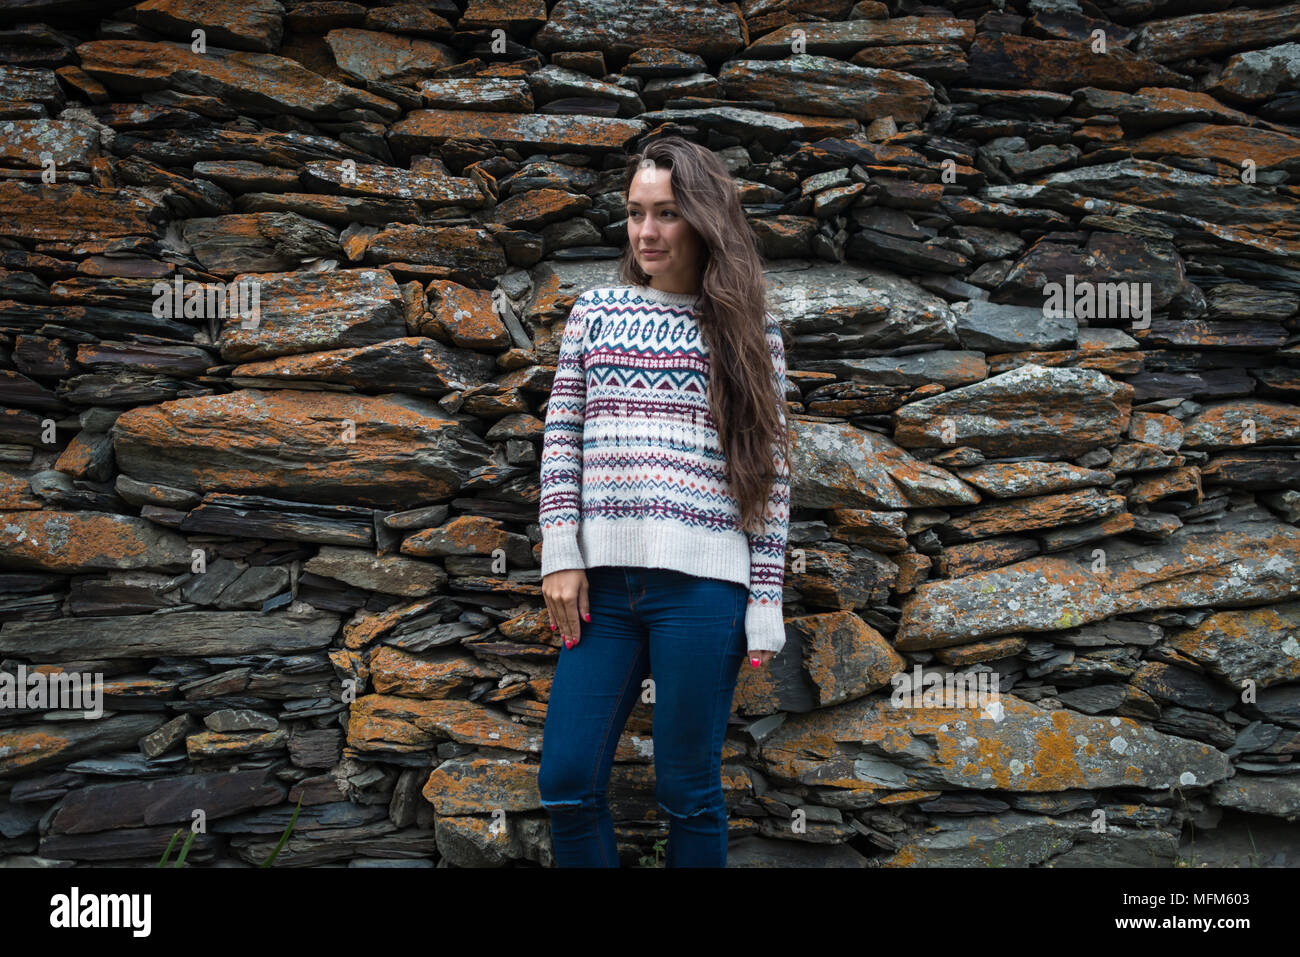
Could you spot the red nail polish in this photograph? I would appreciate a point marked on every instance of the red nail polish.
(568, 643)
(586, 616)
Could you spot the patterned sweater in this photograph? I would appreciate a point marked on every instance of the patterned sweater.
(632, 469)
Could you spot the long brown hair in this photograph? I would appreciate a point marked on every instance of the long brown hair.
(744, 399)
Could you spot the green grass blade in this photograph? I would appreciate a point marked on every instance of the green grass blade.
(185, 849)
(168, 852)
(284, 838)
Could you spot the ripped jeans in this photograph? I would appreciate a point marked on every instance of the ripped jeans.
(690, 633)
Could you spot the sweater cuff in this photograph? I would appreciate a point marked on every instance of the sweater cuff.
(765, 628)
(560, 551)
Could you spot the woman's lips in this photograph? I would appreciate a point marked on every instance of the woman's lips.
(652, 253)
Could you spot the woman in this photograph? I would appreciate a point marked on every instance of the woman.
(664, 508)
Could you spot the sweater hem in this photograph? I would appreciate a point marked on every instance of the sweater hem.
(642, 544)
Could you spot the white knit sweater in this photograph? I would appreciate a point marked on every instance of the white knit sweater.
(632, 469)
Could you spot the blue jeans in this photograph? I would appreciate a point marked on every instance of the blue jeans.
(688, 631)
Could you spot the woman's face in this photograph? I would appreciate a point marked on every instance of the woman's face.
(666, 246)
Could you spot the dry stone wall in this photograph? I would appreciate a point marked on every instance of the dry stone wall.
(281, 287)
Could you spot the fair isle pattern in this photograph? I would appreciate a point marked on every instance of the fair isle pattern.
(632, 471)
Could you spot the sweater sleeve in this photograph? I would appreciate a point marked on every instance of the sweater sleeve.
(764, 620)
(560, 509)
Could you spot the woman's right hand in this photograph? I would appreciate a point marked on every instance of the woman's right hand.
(566, 601)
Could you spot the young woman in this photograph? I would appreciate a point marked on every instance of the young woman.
(664, 507)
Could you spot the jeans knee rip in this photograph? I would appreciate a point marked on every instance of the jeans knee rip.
(548, 804)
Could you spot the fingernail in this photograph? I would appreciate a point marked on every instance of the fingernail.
(586, 616)
(754, 662)
(552, 627)
(568, 643)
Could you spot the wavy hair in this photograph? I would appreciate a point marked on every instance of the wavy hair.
(744, 399)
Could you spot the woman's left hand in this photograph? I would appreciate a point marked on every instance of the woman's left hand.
(758, 659)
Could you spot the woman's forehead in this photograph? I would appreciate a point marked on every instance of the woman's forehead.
(651, 185)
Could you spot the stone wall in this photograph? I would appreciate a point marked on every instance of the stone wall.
(1036, 265)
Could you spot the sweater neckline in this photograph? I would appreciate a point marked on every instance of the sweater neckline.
(669, 298)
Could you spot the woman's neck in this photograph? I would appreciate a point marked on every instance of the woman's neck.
(668, 298)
